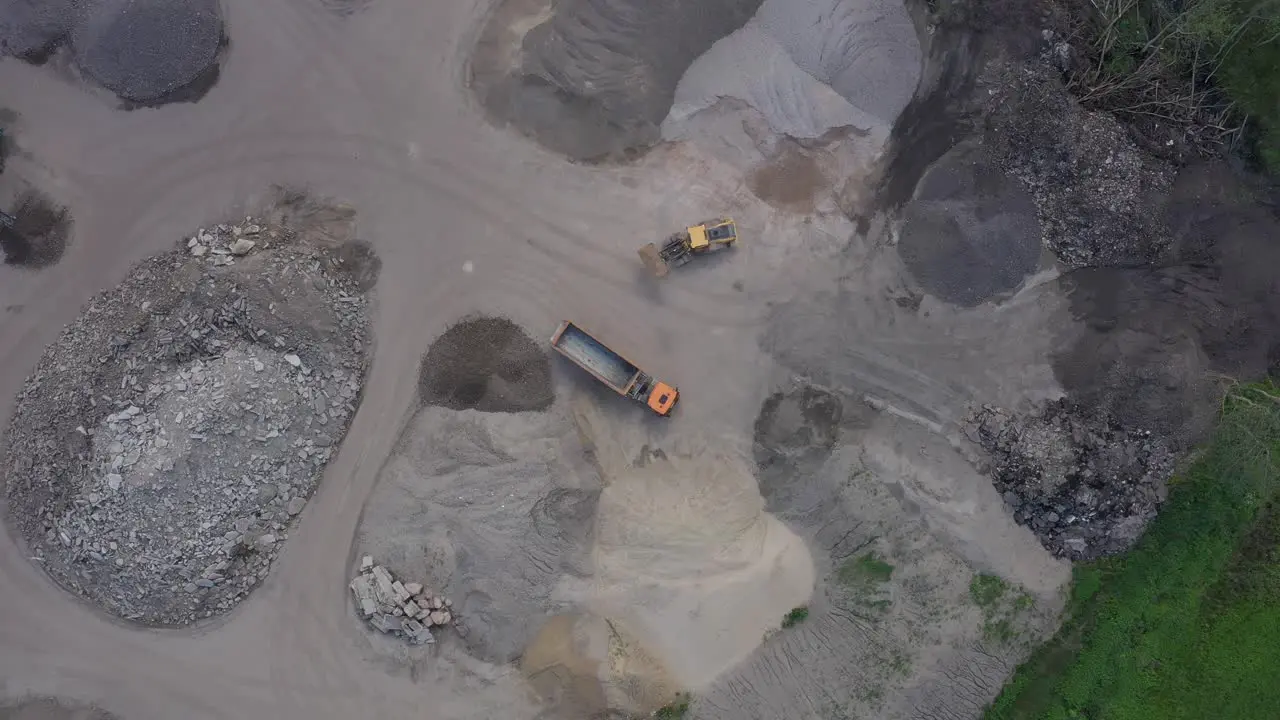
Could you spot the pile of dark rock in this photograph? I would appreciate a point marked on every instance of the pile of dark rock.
(1092, 185)
(403, 610)
(1084, 485)
(167, 441)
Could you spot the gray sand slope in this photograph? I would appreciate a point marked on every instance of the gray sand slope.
(595, 78)
(808, 67)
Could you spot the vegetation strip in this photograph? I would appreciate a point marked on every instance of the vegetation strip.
(1207, 64)
(1187, 625)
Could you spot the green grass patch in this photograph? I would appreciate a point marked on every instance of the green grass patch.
(795, 616)
(1003, 612)
(1186, 625)
(871, 694)
(863, 570)
(900, 663)
(987, 590)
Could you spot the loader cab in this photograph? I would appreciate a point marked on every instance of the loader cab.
(719, 232)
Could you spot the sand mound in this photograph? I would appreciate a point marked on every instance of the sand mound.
(584, 666)
(488, 508)
(687, 559)
(970, 233)
(486, 364)
(598, 79)
(809, 67)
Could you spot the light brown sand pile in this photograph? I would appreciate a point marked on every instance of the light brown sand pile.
(687, 560)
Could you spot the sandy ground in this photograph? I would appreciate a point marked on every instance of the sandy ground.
(370, 107)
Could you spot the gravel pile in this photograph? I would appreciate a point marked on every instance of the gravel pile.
(970, 233)
(167, 440)
(403, 610)
(145, 51)
(1085, 486)
(488, 364)
(1093, 187)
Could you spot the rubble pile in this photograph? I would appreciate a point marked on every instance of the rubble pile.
(1085, 486)
(1092, 186)
(404, 610)
(167, 441)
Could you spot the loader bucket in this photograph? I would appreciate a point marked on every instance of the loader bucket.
(652, 259)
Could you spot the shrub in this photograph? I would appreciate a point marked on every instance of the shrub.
(1211, 67)
(675, 710)
(795, 617)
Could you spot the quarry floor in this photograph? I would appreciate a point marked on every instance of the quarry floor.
(372, 108)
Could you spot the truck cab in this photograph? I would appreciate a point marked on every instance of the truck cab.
(659, 396)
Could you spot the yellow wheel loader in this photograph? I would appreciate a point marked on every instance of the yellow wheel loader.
(681, 247)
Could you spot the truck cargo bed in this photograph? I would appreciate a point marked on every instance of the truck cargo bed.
(588, 352)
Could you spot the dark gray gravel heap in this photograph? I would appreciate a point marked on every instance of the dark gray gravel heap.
(488, 364)
(1085, 485)
(970, 233)
(143, 50)
(29, 29)
(47, 708)
(165, 443)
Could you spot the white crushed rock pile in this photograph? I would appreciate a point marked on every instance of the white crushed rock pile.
(403, 610)
(166, 442)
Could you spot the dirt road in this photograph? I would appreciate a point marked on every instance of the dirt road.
(370, 108)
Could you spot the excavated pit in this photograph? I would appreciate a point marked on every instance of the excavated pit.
(39, 237)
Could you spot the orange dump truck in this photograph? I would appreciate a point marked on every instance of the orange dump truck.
(613, 370)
